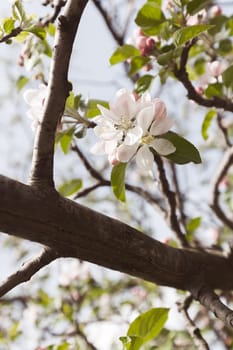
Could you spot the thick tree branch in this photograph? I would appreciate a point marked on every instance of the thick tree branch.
(212, 302)
(27, 270)
(73, 230)
(221, 172)
(58, 90)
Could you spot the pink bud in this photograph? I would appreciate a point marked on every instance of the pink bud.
(141, 42)
(148, 67)
(150, 43)
(199, 90)
(215, 11)
(113, 160)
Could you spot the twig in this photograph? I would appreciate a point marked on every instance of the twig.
(179, 197)
(212, 302)
(56, 10)
(195, 333)
(27, 270)
(223, 129)
(171, 200)
(11, 35)
(182, 75)
(222, 170)
(109, 23)
(102, 182)
(58, 90)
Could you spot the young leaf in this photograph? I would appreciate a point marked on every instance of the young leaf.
(150, 15)
(215, 89)
(185, 151)
(227, 76)
(207, 122)
(195, 6)
(38, 31)
(137, 63)
(8, 25)
(118, 181)
(143, 83)
(183, 35)
(145, 327)
(193, 224)
(92, 108)
(65, 138)
(70, 187)
(21, 82)
(123, 53)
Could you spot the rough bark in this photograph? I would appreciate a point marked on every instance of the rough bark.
(77, 231)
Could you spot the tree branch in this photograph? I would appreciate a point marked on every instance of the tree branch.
(27, 270)
(222, 170)
(195, 333)
(212, 302)
(58, 90)
(73, 230)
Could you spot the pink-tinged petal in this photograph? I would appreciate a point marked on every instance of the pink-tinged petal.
(160, 127)
(107, 113)
(163, 147)
(144, 158)
(160, 110)
(124, 104)
(145, 117)
(98, 149)
(125, 153)
(133, 136)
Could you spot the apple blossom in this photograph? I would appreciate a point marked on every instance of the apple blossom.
(215, 68)
(131, 127)
(35, 99)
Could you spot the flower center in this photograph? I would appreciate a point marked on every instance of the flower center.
(147, 139)
(125, 123)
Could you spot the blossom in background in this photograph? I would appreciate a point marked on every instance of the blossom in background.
(35, 99)
(130, 127)
(142, 42)
(215, 68)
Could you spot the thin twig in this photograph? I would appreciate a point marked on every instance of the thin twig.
(223, 129)
(221, 172)
(194, 332)
(182, 75)
(27, 270)
(171, 200)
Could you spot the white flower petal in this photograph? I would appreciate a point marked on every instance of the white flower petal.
(124, 105)
(107, 113)
(125, 152)
(145, 117)
(106, 131)
(160, 127)
(144, 158)
(133, 136)
(163, 147)
(110, 146)
(160, 109)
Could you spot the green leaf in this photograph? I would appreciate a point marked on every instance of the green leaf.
(45, 299)
(150, 15)
(195, 6)
(207, 122)
(8, 24)
(145, 327)
(65, 138)
(14, 331)
(123, 53)
(137, 63)
(185, 34)
(73, 101)
(143, 83)
(21, 82)
(118, 181)
(70, 187)
(92, 108)
(18, 11)
(51, 29)
(214, 90)
(185, 152)
(37, 31)
(227, 76)
(64, 346)
(193, 224)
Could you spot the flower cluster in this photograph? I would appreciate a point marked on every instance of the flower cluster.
(130, 127)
